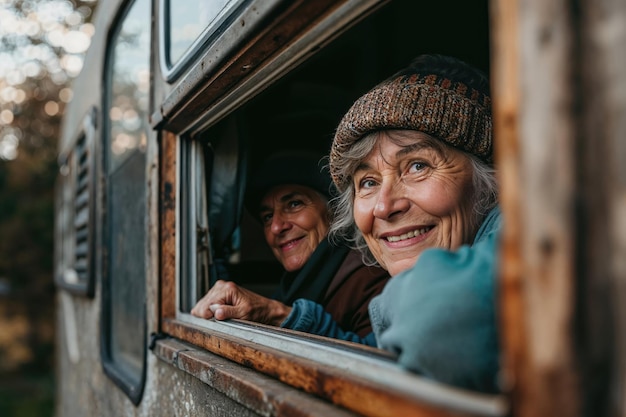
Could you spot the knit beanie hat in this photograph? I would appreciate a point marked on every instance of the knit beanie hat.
(444, 108)
(300, 167)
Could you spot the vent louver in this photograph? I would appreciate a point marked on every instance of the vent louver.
(81, 214)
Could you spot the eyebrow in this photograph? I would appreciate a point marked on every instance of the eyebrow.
(414, 147)
(283, 199)
(403, 151)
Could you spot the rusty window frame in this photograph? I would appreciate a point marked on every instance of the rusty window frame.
(366, 376)
(313, 367)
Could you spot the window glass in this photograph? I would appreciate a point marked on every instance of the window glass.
(216, 241)
(196, 156)
(191, 21)
(125, 225)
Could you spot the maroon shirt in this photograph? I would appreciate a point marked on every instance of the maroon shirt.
(350, 291)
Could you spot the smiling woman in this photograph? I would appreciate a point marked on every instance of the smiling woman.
(412, 162)
(407, 170)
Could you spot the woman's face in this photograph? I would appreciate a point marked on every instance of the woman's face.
(295, 220)
(410, 196)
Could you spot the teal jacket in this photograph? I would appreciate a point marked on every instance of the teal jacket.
(438, 317)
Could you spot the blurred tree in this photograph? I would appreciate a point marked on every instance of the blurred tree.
(42, 45)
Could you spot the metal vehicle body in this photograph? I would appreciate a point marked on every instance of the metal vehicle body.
(177, 101)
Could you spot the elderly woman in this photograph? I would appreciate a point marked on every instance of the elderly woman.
(289, 196)
(412, 160)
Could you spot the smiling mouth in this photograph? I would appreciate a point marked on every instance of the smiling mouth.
(408, 235)
(291, 243)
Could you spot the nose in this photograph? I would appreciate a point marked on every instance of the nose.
(279, 223)
(392, 200)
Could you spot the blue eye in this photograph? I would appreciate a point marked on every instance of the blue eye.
(417, 166)
(367, 183)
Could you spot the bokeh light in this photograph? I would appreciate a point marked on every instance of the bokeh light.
(6, 117)
(42, 48)
(66, 94)
(51, 108)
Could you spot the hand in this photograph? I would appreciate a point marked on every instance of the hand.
(227, 300)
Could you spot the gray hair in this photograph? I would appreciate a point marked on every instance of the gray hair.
(343, 226)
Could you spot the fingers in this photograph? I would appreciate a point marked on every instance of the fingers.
(226, 300)
(202, 309)
(223, 312)
(220, 296)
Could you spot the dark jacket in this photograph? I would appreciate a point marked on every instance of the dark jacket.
(336, 277)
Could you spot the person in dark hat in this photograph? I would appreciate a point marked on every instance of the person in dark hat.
(289, 194)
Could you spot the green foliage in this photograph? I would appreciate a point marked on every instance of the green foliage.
(27, 395)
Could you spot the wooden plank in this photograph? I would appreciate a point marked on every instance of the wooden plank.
(360, 395)
(534, 97)
(264, 395)
(602, 175)
(506, 106)
(167, 217)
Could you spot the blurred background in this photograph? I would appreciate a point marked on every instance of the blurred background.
(42, 46)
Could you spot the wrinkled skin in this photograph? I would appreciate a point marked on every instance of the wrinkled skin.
(410, 196)
(227, 300)
(295, 220)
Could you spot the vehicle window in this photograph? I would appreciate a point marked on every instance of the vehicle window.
(295, 104)
(219, 239)
(301, 111)
(226, 241)
(124, 229)
(195, 156)
(187, 25)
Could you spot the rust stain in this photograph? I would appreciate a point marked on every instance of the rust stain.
(167, 219)
(364, 397)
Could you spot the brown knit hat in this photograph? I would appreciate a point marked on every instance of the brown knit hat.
(448, 110)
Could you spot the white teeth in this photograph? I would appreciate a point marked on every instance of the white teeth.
(408, 235)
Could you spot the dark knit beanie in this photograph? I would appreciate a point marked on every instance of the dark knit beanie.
(300, 167)
(445, 109)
